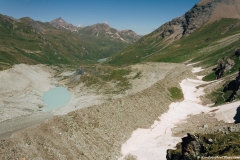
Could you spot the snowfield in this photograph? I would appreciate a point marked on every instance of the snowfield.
(153, 143)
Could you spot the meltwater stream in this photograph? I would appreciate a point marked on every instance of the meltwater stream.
(55, 98)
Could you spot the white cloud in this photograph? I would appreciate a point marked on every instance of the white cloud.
(106, 22)
(80, 25)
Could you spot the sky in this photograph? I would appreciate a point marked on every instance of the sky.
(141, 16)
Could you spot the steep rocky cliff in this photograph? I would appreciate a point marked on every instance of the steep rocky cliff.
(187, 23)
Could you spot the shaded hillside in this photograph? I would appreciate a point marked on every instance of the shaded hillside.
(185, 37)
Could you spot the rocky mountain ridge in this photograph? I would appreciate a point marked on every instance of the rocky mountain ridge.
(205, 11)
(104, 30)
(203, 24)
(97, 30)
(59, 23)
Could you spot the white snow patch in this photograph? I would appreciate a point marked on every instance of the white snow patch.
(109, 32)
(153, 143)
(123, 39)
(200, 77)
(227, 112)
(197, 69)
(68, 73)
(191, 64)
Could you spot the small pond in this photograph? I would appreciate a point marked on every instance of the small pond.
(102, 60)
(55, 98)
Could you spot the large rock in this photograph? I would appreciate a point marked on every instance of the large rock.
(233, 86)
(189, 149)
(237, 52)
(223, 65)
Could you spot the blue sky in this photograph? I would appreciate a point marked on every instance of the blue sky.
(142, 16)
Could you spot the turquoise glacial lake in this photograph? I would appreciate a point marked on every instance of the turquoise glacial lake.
(55, 98)
(102, 60)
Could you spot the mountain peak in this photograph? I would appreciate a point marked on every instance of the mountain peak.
(204, 12)
(222, 9)
(59, 19)
(101, 25)
(59, 23)
(204, 2)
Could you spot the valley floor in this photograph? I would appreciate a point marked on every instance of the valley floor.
(102, 128)
(95, 125)
(22, 88)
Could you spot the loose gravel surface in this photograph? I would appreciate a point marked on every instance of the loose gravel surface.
(97, 132)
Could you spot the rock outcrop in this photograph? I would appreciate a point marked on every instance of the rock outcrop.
(187, 23)
(237, 53)
(233, 88)
(223, 65)
(198, 146)
(189, 149)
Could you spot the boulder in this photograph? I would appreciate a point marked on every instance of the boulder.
(223, 65)
(237, 52)
(189, 149)
(233, 86)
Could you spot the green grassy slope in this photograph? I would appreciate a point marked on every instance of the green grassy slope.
(27, 41)
(106, 39)
(207, 44)
(33, 42)
(106, 46)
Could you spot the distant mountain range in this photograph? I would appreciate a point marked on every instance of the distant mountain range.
(57, 42)
(104, 30)
(101, 30)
